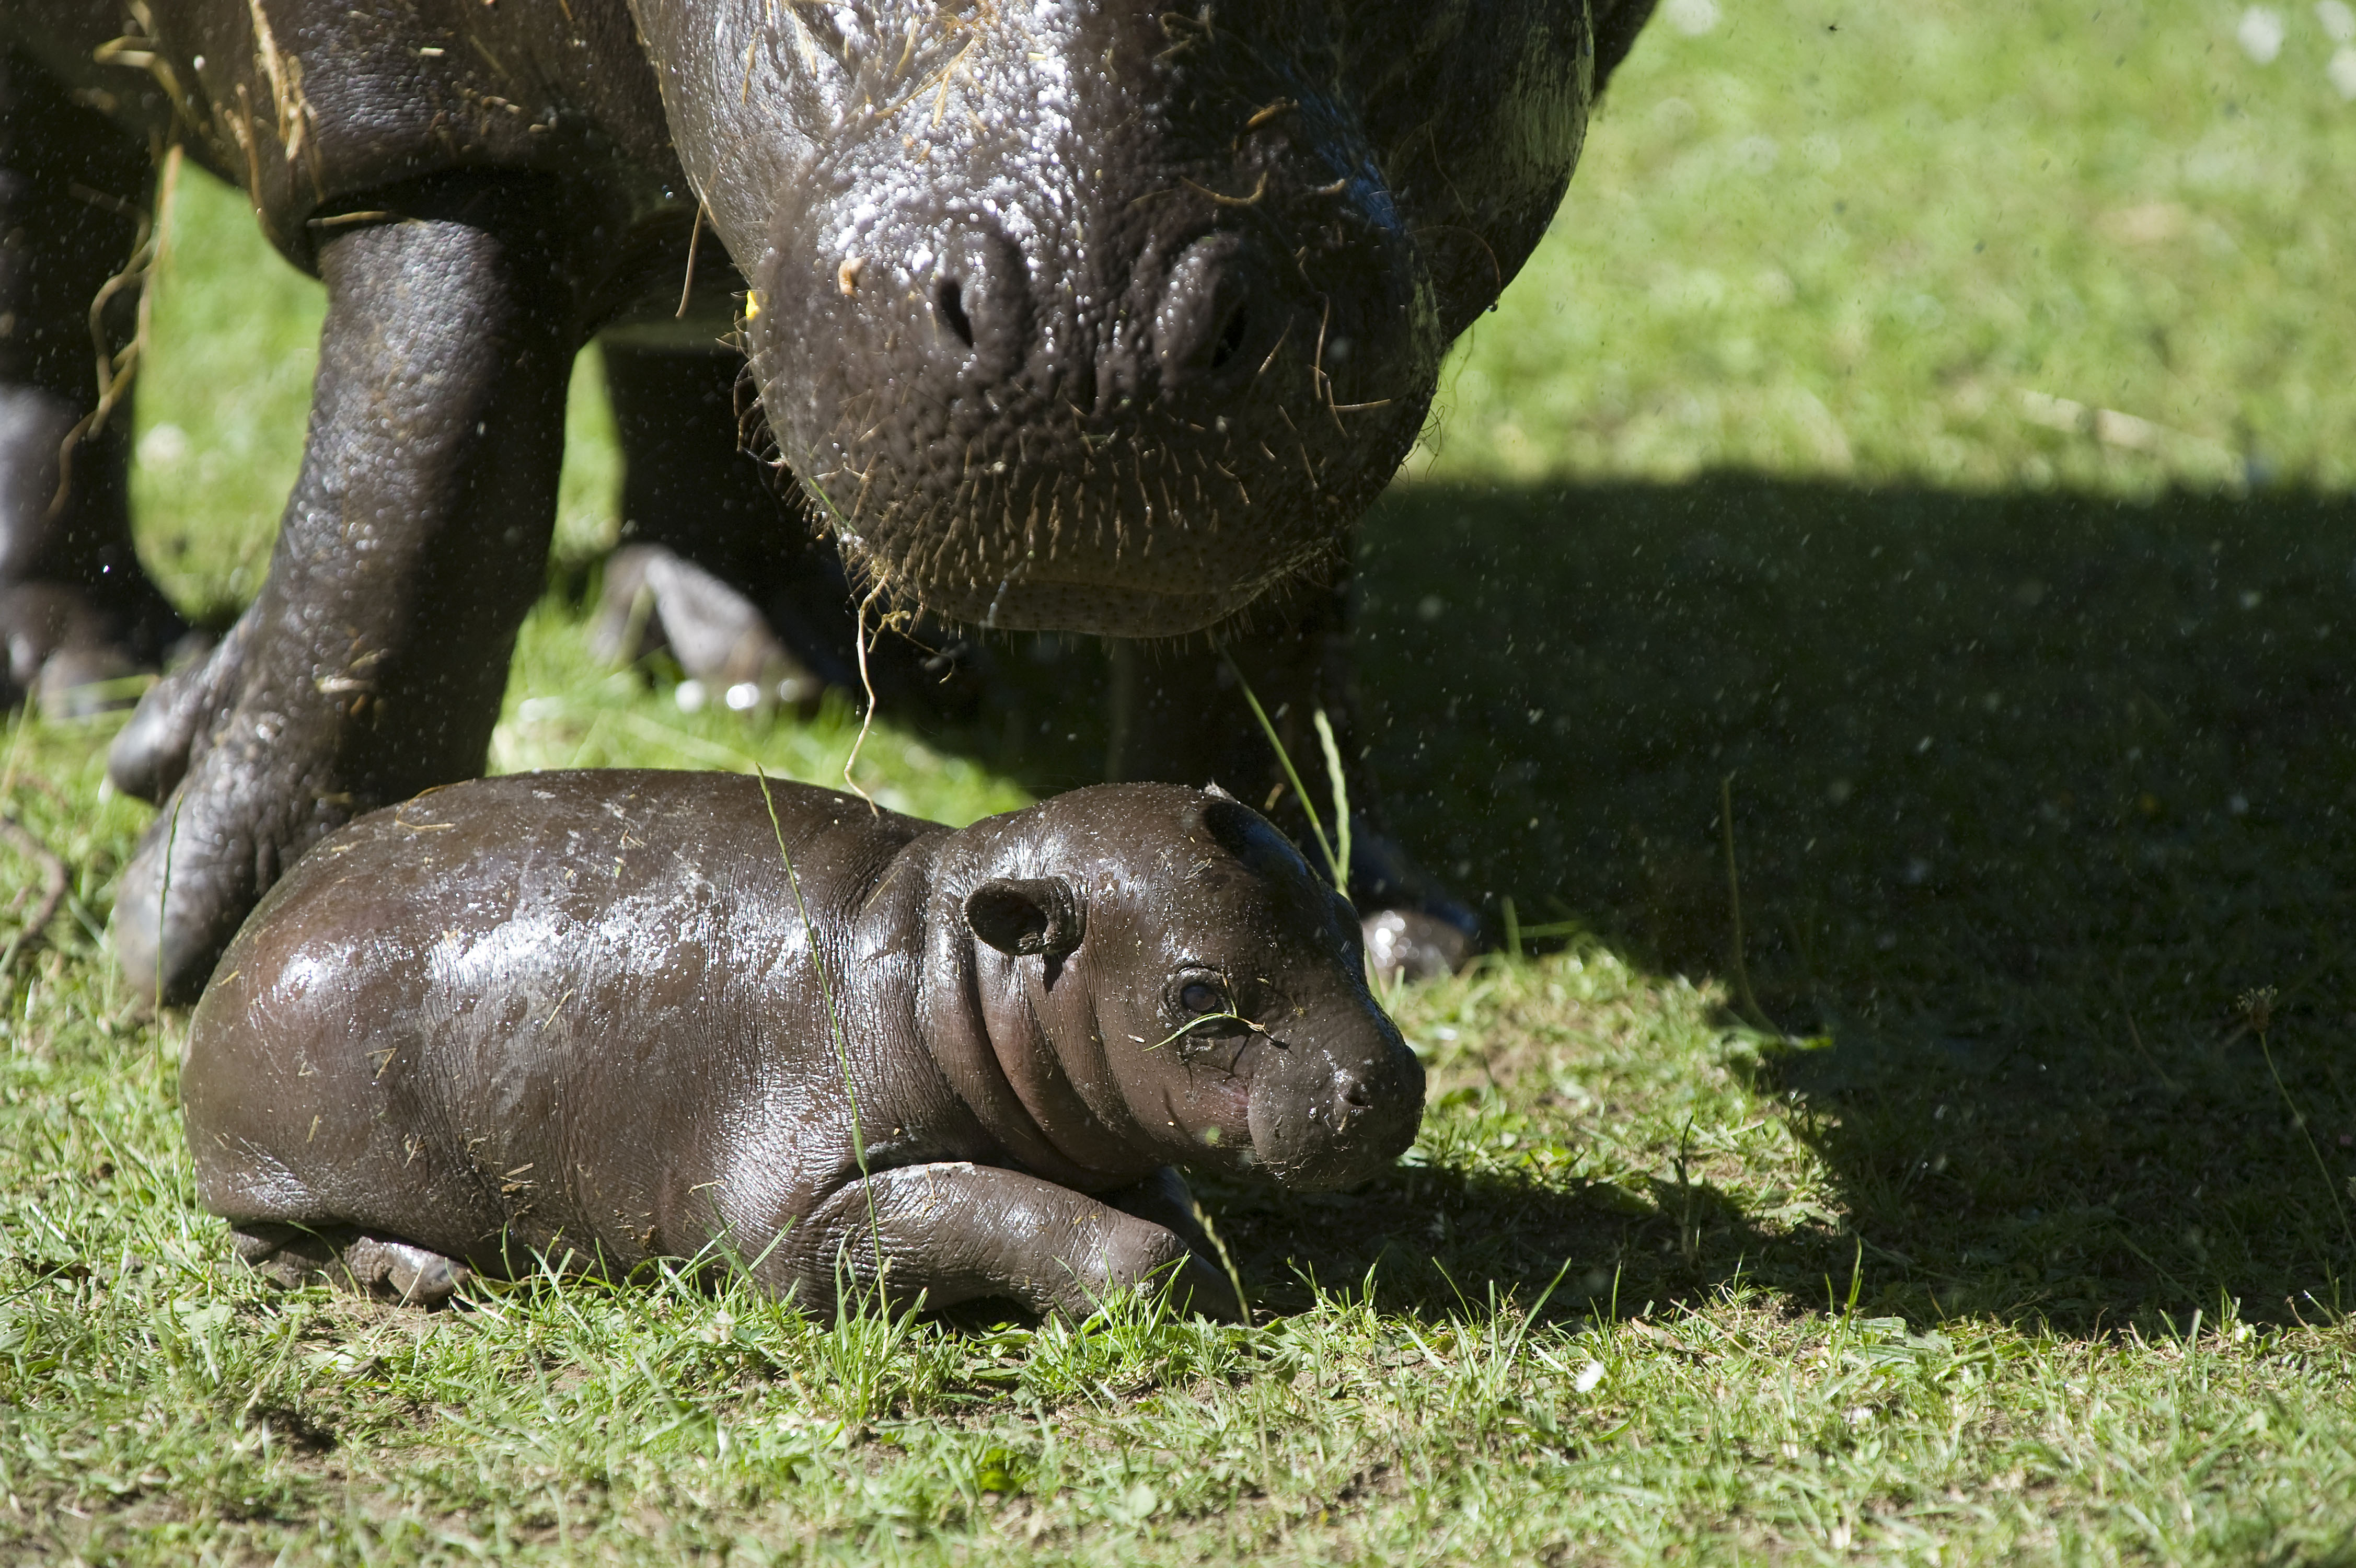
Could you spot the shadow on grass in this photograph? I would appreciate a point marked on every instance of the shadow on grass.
(1433, 1241)
(2030, 793)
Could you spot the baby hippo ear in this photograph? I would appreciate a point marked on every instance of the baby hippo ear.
(1027, 915)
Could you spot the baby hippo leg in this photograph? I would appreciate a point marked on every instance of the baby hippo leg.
(290, 1256)
(955, 1232)
(1164, 1200)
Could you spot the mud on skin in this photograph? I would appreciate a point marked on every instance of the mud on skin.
(583, 1016)
(1090, 317)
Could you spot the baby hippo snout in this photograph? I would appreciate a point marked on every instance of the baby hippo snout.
(1330, 1108)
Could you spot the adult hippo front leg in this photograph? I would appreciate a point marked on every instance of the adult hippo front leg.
(76, 609)
(1180, 715)
(372, 664)
(957, 1231)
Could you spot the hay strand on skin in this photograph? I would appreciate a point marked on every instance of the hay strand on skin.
(116, 369)
(1189, 1027)
(867, 717)
(694, 239)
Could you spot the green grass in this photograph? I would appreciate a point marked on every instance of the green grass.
(2010, 1238)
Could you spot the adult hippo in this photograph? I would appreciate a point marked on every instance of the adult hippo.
(1082, 314)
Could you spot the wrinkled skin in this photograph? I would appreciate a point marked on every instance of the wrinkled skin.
(585, 1014)
(1082, 314)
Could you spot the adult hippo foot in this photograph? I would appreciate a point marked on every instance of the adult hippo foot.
(370, 666)
(1407, 944)
(60, 652)
(1414, 929)
(757, 644)
(655, 598)
(243, 788)
(77, 615)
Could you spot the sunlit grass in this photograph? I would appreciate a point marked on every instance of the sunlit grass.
(2004, 1243)
(1872, 243)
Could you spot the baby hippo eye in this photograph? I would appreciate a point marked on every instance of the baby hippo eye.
(1200, 1008)
(1197, 997)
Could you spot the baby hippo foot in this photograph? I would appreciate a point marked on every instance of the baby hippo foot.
(403, 1275)
(291, 1257)
(655, 598)
(1200, 1283)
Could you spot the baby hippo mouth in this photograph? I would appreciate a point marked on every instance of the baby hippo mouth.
(1321, 1120)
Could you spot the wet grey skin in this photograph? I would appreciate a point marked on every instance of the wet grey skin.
(587, 1018)
(1092, 315)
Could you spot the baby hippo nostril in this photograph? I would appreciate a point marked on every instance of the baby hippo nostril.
(1354, 1093)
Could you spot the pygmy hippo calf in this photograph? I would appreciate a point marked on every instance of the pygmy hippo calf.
(616, 1015)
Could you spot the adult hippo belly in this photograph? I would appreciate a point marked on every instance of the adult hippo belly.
(1092, 316)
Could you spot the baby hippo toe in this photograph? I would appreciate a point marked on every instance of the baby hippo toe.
(291, 1257)
(409, 1276)
(286, 1255)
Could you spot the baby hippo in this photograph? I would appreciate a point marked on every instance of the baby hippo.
(599, 1017)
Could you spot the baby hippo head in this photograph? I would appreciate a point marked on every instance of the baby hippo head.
(1171, 957)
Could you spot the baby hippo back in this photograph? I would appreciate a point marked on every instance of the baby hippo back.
(536, 1010)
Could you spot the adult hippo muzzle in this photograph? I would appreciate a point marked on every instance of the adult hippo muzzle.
(1069, 322)
(1085, 315)
(618, 1015)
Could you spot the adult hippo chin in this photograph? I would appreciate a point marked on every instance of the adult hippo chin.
(1092, 316)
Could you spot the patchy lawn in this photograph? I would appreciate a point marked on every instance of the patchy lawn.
(1926, 431)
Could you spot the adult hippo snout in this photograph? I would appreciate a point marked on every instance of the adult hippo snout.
(1325, 1115)
(1118, 360)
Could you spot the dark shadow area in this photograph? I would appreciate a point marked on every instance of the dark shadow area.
(2030, 792)
(1434, 1241)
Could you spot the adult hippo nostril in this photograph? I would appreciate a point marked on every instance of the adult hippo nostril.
(984, 320)
(1231, 338)
(1206, 316)
(949, 298)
